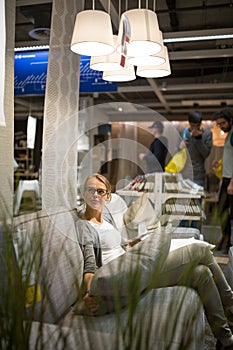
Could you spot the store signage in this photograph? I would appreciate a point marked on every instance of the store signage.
(91, 80)
(31, 74)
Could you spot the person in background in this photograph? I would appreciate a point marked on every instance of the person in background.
(198, 142)
(224, 120)
(156, 158)
(192, 265)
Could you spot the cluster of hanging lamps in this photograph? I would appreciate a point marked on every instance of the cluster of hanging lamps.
(139, 43)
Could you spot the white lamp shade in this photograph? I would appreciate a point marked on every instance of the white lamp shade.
(126, 74)
(152, 60)
(92, 34)
(154, 71)
(107, 62)
(145, 34)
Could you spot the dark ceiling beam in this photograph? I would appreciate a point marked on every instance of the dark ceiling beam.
(32, 2)
(177, 87)
(205, 6)
(200, 54)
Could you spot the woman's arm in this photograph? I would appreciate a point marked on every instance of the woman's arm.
(87, 278)
(92, 303)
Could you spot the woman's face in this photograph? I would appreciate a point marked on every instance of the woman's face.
(95, 193)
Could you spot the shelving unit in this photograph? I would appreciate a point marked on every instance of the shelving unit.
(174, 198)
(25, 159)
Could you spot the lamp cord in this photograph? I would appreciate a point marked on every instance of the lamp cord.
(119, 11)
(154, 4)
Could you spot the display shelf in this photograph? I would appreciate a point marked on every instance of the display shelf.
(24, 157)
(172, 196)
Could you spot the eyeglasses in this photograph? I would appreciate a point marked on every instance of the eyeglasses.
(100, 191)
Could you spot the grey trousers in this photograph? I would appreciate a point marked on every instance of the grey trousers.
(195, 266)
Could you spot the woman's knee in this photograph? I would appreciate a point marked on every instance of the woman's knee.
(201, 275)
(201, 252)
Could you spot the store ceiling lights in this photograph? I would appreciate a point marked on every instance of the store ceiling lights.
(158, 71)
(151, 60)
(92, 34)
(139, 42)
(145, 38)
(107, 62)
(125, 74)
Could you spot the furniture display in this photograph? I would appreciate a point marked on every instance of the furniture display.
(173, 197)
(55, 287)
(24, 156)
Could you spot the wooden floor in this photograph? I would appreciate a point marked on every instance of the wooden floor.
(222, 259)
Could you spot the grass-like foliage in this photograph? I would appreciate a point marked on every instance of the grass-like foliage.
(41, 280)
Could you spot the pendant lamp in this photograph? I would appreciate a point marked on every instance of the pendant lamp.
(145, 38)
(125, 74)
(151, 60)
(92, 34)
(154, 71)
(107, 62)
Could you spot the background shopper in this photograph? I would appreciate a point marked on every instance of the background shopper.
(224, 119)
(198, 142)
(156, 158)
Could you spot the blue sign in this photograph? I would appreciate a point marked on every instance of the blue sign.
(91, 80)
(31, 74)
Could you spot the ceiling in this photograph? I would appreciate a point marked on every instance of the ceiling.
(201, 71)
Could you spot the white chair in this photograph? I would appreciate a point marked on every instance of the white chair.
(25, 185)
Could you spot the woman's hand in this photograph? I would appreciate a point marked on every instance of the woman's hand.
(92, 303)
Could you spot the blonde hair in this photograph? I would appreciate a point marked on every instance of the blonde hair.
(102, 179)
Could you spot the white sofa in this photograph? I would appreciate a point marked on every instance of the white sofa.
(166, 318)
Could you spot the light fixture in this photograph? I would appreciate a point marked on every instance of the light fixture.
(145, 34)
(154, 71)
(107, 62)
(125, 74)
(198, 38)
(92, 34)
(153, 60)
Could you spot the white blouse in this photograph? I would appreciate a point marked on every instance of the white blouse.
(110, 240)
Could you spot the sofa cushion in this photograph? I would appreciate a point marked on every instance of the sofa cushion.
(51, 262)
(131, 271)
(141, 210)
(166, 318)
